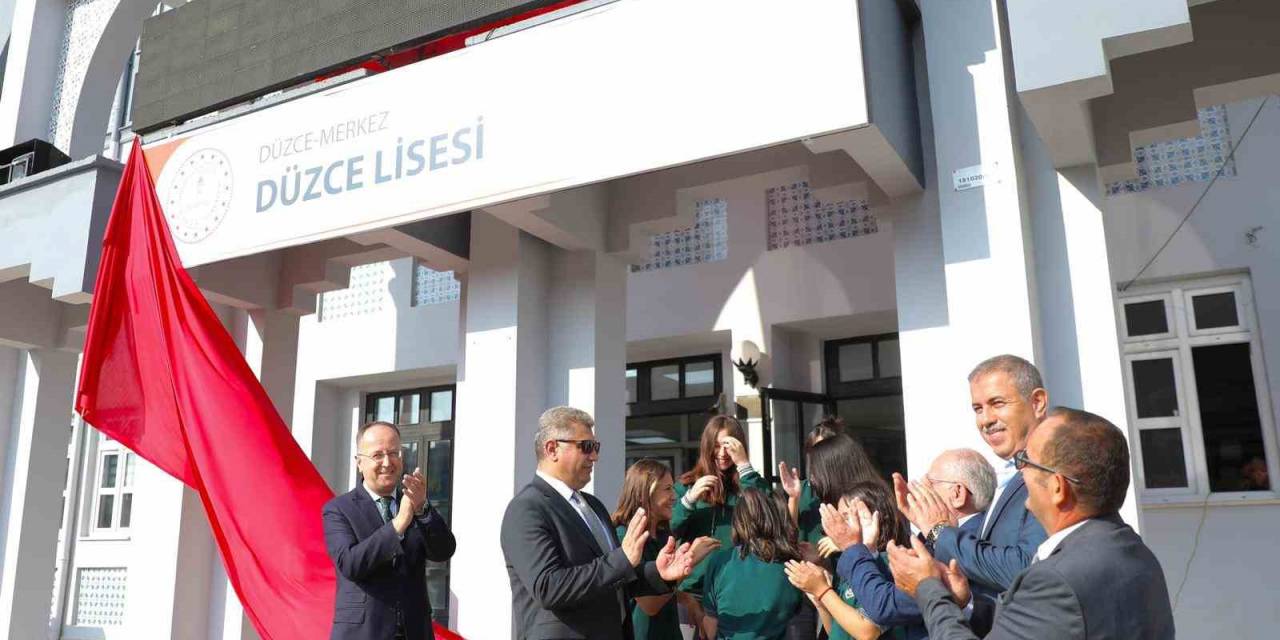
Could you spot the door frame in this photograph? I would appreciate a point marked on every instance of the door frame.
(767, 394)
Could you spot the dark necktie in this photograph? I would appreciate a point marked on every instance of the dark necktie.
(384, 508)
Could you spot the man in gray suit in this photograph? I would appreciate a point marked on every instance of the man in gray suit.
(570, 575)
(1093, 577)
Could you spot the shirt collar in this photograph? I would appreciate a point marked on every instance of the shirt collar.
(1006, 472)
(373, 495)
(1047, 547)
(560, 487)
(964, 519)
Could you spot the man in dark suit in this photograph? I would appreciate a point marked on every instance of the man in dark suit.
(1092, 578)
(1009, 399)
(380, 538)
(570, 575)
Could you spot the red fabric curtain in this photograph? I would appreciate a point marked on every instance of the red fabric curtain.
(161, 375)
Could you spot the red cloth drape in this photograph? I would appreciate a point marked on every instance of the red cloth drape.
(161, 375)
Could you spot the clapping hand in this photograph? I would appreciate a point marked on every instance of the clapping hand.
(675, 563)
(637, 534)
(911, 566)
(413, 499)
(868, 520)
(808, 577)
(790, 480)
(827, 548)
(843, 530)
(922, 505)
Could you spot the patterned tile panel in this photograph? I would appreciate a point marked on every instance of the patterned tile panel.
(86, 20)
(1175, 162)
(434, 287)
(367, 293)
(797, 218)
(706, 241)
(100, 596)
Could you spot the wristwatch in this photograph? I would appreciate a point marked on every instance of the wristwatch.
(931, 538)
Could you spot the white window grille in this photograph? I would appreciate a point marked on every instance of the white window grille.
(100, 596)
(706, 241)
(1196, 390)
(368, 292)
(1175, 162)
(797, 218)
(434, 287)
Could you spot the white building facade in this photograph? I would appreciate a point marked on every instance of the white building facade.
(610, 206)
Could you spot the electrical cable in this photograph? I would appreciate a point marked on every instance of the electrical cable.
(1230, 157)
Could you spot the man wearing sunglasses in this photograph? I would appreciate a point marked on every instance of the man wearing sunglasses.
(570, 575)
(1092, 578)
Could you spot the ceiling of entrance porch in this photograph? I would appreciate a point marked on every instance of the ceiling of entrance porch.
(1234, 55)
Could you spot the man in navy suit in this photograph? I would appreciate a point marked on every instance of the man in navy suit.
(1009, 400)
(380, 537)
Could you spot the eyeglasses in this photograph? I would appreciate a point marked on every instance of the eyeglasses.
(933, 480)
(382, 456)
(1021, 460)
(587, 447)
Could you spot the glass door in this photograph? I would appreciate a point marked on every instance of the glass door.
(787, 417)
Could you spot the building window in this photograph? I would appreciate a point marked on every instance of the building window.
(706, 241)
(668, 404)
(434, 287)
(797, 218)
(1175, 162)
(1193, 371)
(864, 381)
(112, 506)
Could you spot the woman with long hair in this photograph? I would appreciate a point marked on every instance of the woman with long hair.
(747, 593)
(868, 510)
(648, 485)
(708, 493)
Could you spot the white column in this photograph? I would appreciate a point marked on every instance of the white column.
(542, 327)
(1081, 363)
(588, 354)
(965, 290)
(33, 497)
(31, 69)
(501, 392)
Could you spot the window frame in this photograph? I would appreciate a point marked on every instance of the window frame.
(125, 484)
(644, 405)
(1183, 339)
(1167, 298)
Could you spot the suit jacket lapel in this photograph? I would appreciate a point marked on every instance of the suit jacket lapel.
(1006, 496)
(568, 512)
(365, 508)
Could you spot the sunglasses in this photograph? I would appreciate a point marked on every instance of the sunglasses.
(587, 447)
(1020, 460)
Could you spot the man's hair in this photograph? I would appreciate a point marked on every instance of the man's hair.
(1090, 449)
(971, 469)
(1025, 376)
(557, 423)
(376, 423)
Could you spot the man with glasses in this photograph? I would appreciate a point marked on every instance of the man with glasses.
(1092, 578)
(380, 536)
(570, 575)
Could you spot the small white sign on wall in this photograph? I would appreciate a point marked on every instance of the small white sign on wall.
(975, 176)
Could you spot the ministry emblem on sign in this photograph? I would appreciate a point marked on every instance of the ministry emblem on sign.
(198, 195)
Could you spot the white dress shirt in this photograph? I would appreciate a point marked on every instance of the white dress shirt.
(1047, 547)
(1004, 473)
